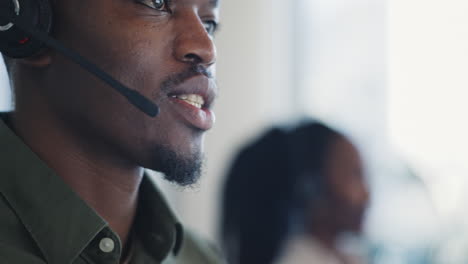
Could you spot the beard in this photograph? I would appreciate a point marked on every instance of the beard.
(177, 168)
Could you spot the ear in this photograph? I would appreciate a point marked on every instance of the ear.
(41, 60)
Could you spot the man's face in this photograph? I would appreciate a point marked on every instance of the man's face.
(162, 49)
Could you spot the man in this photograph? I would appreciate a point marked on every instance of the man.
(73, 152)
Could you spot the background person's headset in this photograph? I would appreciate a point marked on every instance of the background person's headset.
(25, 26)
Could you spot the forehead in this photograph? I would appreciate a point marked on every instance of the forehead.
(342, 154)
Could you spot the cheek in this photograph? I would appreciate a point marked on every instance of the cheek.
(347, 189)
(164, 131)
(351, 193)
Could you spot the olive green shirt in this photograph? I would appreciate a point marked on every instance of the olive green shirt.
(43, 221)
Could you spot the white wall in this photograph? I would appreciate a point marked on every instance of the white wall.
(429, 87)
(341, 65)
(428, 79)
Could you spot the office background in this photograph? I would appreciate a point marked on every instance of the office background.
(392, 74)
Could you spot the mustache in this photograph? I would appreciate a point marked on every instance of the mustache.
(176, 79)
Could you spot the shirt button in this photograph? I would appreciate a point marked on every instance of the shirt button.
(106, 245)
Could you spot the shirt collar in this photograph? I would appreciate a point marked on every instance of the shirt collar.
(60, 222)
(156, 225)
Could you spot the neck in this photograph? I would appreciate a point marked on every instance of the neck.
(323, 230)
(325, 238)
(106, 183)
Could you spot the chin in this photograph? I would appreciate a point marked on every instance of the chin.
(183, 168)
(356, 225)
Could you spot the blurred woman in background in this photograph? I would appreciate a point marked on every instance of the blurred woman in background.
(291, 195)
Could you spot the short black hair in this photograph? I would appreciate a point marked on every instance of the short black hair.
(262, 201)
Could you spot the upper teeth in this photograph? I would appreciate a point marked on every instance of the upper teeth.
(193, 99)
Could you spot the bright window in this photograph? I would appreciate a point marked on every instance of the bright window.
(5, 95)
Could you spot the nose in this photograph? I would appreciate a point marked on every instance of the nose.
(193, 44)
(364, 197)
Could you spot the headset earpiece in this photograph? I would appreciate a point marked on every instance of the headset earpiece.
(15, 43)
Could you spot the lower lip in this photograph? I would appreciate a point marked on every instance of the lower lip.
(199, 118)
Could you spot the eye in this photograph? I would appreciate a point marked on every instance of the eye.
(210, 26)
(160, 5)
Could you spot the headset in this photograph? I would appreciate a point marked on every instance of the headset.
(25, 26)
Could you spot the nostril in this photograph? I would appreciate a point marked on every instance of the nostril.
(193, 58)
